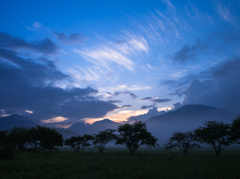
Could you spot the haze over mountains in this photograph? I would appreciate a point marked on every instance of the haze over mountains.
(8, 122)
(83, 128)
(186, 118)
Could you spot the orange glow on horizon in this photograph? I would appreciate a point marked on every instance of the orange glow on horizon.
(120, 115)
(117, 116)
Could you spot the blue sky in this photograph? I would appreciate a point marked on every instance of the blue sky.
(90, 60)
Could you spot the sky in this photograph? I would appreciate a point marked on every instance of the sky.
(63, 62)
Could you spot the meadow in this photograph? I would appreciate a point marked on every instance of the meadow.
(118, 163)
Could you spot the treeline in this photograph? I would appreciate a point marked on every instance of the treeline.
(217, 134)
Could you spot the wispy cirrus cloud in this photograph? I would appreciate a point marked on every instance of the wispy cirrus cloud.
(105, 55)
(170, 6)
(124, 87)
(36, 26)
(225, 14)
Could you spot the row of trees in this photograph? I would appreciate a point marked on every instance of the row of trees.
(40, 137)
(132, 136)
(214, 133)
(44, 138)
(217, 134)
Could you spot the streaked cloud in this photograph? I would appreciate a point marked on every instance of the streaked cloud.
(35, 26)
(225, 13)
(170, 6)
(105, 55)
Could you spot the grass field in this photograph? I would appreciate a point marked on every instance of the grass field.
(118, 163)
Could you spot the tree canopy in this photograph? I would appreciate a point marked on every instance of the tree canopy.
(103, 137)
(183, 140)
(135, 135)
(78, 143)
(214, 133)
(19, 136)
(235, 127)
(45, 138)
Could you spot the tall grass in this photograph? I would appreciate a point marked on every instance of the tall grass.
(118, 163)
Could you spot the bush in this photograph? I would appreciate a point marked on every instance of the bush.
(7, 152)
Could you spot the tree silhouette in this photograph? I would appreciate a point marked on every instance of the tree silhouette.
(19, 136)
(45, 138)
(3, 138)
(183, 140)
(103, 137)
(235, 128)
(216, 134)
(7, 148)
(135, 135)
(78, 143)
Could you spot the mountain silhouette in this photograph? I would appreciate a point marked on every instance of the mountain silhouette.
(188, 117)
(194, 113)
(80, 127)
(83, 128)
(9, 122)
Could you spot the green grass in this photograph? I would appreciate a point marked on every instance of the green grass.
(118, 163)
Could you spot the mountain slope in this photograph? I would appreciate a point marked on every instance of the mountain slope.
(15, 120)
(94, 128)
(194, 113)
(186, 118)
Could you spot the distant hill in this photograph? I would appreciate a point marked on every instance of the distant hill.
(186, 118)
(194, 113)
(80, 127)
(15, 120)
(66, 133)
(83, 128)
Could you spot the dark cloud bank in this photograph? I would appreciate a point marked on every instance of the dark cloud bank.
(221, 91)
(45, 46)
(163, 100)
(71, 38)
(29, 84)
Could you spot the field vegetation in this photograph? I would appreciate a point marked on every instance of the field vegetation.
(37, 152)
(118, 163)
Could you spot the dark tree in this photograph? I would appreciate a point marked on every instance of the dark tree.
(135, 135)
(19, 136)
(235, 128)
(183, 140)
(214, 133)
(80, 142)
(73, 142)
(45, 138)
(3, 138)
(7, 148)
(103, 137)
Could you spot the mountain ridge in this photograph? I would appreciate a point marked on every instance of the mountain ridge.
(8, 122)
